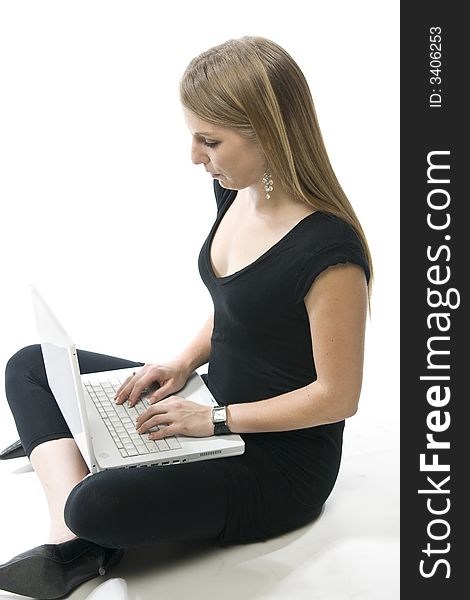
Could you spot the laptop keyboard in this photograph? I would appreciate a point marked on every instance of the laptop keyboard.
(120, 421)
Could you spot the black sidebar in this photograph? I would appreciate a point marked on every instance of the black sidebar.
(435, 344)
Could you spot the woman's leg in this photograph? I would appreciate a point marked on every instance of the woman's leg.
(59, 466)
(43, 431)
(122, 508)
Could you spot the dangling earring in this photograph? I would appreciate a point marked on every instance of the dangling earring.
(268, 184)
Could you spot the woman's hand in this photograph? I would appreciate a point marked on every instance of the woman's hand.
(169, 377)
(176, 415)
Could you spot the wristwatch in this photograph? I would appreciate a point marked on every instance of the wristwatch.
(219, 418)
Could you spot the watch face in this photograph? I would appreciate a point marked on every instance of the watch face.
(218, 414)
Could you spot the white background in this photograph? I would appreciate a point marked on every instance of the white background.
(103, 210)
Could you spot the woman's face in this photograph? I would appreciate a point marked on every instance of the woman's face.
(229, 157)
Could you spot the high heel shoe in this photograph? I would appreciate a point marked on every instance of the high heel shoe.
(52, 571)
(15, 450)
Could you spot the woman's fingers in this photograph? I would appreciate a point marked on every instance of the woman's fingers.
(123, 391)
(156, 420)
(162, 392)
(139, 386)
(123, 385)
(133, 387)
(155, 409)
(154, 415)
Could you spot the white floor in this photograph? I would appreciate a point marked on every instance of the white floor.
(350, 553)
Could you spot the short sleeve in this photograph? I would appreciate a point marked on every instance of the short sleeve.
(347, 250)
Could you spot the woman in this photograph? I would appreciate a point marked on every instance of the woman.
(289, 271)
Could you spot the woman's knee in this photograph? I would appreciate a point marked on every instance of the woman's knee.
(87, 510)
(23, 361)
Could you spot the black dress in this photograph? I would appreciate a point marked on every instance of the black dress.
(261, 347)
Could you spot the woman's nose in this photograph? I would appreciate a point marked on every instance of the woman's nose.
(198, 156)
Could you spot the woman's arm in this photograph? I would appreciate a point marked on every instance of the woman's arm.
(337, 308)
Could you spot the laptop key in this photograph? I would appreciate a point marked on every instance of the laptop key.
(115, 437)
(162, 444)
(132, 413)
(173, 443)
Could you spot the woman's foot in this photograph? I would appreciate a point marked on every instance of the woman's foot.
(52, 571)
(14, 450)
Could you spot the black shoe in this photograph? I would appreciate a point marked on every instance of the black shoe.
(14, 451)
(52, 571)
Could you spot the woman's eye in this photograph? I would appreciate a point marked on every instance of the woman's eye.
(210, 144)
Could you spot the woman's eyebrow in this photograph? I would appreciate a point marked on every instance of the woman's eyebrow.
(204, 133)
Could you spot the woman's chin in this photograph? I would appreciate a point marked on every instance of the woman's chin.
(227, 185)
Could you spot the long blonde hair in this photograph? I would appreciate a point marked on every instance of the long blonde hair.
(254, 86)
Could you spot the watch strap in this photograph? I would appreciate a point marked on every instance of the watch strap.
(221, 429)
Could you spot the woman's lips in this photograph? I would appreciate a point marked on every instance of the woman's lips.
(213, 174)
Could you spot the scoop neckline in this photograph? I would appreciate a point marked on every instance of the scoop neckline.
(260, 258)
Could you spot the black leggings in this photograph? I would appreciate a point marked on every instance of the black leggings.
(238, 499)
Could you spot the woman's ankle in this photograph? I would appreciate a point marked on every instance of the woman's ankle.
(61, 537)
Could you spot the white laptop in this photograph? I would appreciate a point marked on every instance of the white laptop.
(104, 431)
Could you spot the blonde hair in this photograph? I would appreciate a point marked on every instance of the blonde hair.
(254, 86)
